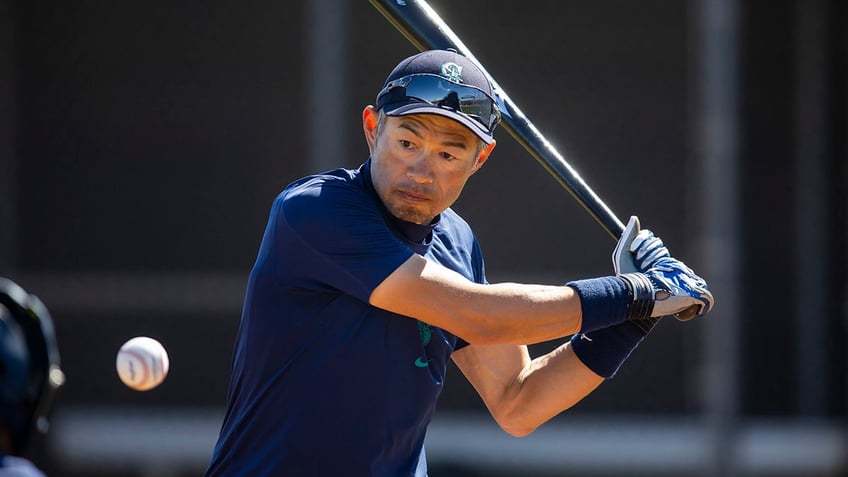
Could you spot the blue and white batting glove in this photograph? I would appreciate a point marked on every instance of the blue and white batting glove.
(648, 284)
(637, 250)
(668, 288)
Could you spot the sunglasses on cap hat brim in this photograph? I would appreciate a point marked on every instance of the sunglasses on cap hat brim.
(437, 91)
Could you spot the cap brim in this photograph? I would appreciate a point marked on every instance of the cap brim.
(405, 109)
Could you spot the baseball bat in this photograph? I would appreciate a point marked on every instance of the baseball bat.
(425, 29)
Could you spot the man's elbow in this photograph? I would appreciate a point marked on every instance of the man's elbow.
(513, 421)
(517, 429)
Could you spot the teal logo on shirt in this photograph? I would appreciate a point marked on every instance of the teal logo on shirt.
(426, 333)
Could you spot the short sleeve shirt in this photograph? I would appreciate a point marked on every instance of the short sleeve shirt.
(322, 382)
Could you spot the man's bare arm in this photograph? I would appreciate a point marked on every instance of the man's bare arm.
(504, 313)
(522, 393)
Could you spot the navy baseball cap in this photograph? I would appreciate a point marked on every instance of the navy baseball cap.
(445, 83)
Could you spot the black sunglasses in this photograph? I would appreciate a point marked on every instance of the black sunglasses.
(435, 90)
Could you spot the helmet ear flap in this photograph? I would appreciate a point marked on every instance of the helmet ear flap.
(30, 369)
(15, 372)
(14, 358)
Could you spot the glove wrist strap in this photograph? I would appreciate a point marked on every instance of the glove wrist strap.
(642, 291)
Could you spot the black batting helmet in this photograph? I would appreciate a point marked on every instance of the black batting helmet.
(29, 365)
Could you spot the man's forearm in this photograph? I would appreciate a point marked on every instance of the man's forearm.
(549, 385)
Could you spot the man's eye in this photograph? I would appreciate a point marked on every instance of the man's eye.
(405, 144)
(447, 156)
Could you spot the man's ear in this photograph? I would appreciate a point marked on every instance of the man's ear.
(483, 157)
(369, 126)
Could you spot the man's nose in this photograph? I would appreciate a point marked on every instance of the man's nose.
(419, 169)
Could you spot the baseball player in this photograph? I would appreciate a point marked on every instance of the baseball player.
(29, 377)
(367, 282)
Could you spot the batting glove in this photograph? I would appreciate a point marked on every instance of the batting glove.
(637, 250)
(668, 288)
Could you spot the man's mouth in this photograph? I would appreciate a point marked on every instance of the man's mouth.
(412, 196)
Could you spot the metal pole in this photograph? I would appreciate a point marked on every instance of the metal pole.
(811, 205)
(8, 155)
(327, 70)
(715, 140)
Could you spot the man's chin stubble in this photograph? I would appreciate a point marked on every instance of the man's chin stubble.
(408, 214)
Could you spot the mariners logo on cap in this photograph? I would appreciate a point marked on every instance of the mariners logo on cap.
(452, 71)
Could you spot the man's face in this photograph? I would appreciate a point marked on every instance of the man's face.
(420, 163)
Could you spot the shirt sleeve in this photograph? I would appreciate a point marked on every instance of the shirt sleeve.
(331, 235)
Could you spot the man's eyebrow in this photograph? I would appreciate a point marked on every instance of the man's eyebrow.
(461, 144)
(451, 139)
(410, 125)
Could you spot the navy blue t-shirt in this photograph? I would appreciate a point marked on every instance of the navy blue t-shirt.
(322, 382)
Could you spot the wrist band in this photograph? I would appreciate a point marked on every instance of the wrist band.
(604, 301)
(604, 351)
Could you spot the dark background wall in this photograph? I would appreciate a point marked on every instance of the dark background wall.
(141, 146)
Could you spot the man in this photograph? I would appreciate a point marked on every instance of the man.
(366, 282)
(29, 377)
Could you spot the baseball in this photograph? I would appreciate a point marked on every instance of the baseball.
(142, 363)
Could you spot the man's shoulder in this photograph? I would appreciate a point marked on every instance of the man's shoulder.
(454, 228)
(451, 220)
(334, 178)
(323, 200)
(326, 189)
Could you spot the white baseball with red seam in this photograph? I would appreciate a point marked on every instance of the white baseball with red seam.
(142, 363)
